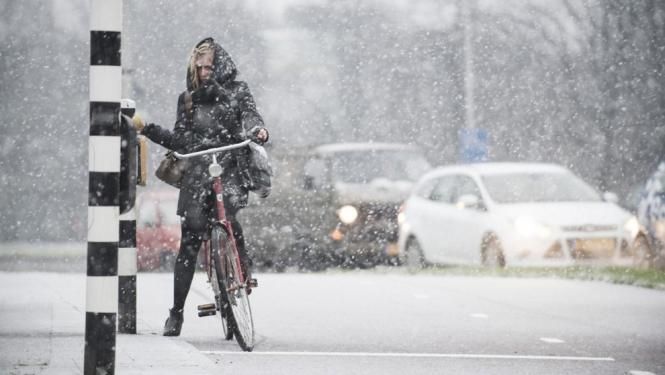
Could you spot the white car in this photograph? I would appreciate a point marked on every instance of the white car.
(512, 213)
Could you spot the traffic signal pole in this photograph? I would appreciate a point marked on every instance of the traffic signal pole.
(127, 259)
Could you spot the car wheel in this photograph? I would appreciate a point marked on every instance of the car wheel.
(364, 260)
(642, 253)
(414, 258)
(491, 254)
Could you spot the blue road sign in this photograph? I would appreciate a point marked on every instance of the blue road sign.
(473, 145)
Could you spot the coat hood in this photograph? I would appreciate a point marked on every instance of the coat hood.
(224, 68)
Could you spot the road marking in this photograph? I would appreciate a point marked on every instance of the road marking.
(552, 340)
(479, 316)
(636, 372)
(421, 296)
(415, 355)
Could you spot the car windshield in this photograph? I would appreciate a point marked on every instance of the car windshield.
(362, 167)
(538, 187)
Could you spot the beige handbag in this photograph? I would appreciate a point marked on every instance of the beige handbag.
(171, 170)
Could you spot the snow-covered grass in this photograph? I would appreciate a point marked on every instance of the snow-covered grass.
(650, 278)
(42, 249)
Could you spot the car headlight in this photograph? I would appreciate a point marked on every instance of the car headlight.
(347, 214)
(401, 218)
(632, 226)
(528, 227)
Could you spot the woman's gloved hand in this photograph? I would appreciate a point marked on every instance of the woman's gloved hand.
(259, 134)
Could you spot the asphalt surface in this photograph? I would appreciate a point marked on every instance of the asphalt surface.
(365, 323)
(386, 322)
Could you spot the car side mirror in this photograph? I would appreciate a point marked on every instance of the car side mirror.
(469, 201)
(610, 197)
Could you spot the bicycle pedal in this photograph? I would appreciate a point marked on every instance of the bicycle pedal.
(203, 313)
(252, 283)
(207, 306)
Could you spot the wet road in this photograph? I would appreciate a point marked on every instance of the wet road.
(368, 323)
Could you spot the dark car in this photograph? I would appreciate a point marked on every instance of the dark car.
(651, 214)
(333, 205)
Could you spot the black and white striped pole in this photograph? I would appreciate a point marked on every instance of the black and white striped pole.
(103, 194)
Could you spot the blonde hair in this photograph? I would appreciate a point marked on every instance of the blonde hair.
(197, 52)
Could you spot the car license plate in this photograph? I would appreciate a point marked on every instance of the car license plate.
(596, 247)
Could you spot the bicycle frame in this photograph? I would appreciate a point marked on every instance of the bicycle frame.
(218, 188)
(215, 171)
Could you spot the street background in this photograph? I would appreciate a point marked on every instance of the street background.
(576, 82)
(579, 83)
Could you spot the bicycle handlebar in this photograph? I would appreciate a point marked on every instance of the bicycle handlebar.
(212, 150)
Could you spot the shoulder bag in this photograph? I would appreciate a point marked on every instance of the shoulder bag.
(171, 169)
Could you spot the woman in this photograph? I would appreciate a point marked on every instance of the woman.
(215, 110)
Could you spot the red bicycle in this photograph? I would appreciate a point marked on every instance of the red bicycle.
(225, 274)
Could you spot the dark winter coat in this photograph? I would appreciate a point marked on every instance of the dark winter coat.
(223, 112)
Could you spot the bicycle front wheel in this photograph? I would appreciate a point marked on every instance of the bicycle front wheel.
(217, 239)
(230, 276)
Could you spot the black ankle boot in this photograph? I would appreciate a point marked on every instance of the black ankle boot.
(173, 324)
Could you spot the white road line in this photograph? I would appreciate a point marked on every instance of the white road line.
(552, 340)
(636, 372)
(480, 316)
(415, 355)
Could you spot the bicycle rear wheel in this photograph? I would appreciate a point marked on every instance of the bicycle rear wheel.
(239, 312)
(218, 287)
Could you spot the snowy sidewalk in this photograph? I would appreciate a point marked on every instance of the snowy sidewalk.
(42, 323)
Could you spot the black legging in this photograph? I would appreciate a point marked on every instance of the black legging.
(190, 243)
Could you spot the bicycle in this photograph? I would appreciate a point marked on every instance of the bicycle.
(225, 274)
